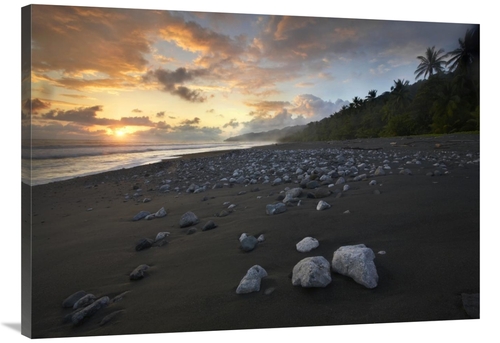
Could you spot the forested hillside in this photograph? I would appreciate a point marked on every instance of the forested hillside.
(444, 99)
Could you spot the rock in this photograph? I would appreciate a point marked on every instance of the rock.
(89, 311)
(321, 193)
(209, 226)
(191, 231)
(242, 237)
(345, 188)
(312, 184)
(84, 301)
(223, 213)
(292, 195)
(188, 219)
(248, 243)
(307, 244)
(161, 213)
(322, 205)
(144, 244)
(165, 188)
(150, 217)
(141, 215)
(312, 272)
(275, 208)
(356, 261)
(252, 280)
(379, 171)
(138, 273)
(340, 181)
(405, 172)
(161, 235)
(373, 183)
(277, 181)
(261, 238)
(145, 200)
(73, 298)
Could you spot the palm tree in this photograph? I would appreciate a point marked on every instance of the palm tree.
(430, 63)
(357, 102)
(468, 52)
(372, 94)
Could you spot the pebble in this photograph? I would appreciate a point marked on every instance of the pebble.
(248, 243)
(144, 244)
(138, 273)
(275, 208)
(161, 235)
(141, 215)
(307, 244)
(322, 205)
(209, 226)
(90, 310)
(188, 219)
(73, 298)
(252, 280)
(84, 301)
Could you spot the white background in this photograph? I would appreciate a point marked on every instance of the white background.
(423, 10)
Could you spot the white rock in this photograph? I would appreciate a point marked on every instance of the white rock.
(322, 205)
(243, 236)
(356, 261)
(251, 281)
(307, 244)
(346, 188)
(312, 272)
(161, 235)
(373, 183)
(261, 238)
(161, 213)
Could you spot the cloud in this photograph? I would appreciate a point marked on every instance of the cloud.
(313, 107)
(262, 109)
(160, 114)
(172, 82)
(232, 123)
(183, 133)
(194, 121)
(279, 120)
(87, 116)
(35, 105)
(136, 110)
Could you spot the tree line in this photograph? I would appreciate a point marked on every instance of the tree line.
(444, 100)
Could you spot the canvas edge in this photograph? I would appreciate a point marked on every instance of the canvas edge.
(26, 257)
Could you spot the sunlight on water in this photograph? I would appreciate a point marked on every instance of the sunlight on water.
(56, 160)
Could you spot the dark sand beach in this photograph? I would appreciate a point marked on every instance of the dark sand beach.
(423, 229)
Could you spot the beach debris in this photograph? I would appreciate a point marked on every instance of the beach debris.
(70, 301)
(356, 262)
(248, 243)
(141, 215)
(307, 244)
(188, 219)
(322, 205)
(90, 310)
(252, 280)
(275, 208)
(312, 272)
(209, 226)
(110, 316)
(144, 244)
(84, 301)
(138, 273)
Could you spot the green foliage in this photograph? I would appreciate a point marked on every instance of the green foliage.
(445, 102)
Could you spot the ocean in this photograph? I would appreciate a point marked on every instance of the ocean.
(56, 160)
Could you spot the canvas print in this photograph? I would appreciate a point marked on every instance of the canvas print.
(196, 171)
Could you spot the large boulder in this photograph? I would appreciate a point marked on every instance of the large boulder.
(251, 281)
(356, 261)
(312, 272)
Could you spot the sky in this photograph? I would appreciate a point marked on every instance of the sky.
(127, 74)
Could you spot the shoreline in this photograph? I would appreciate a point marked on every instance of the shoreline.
(447, 141)
(428, 227)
